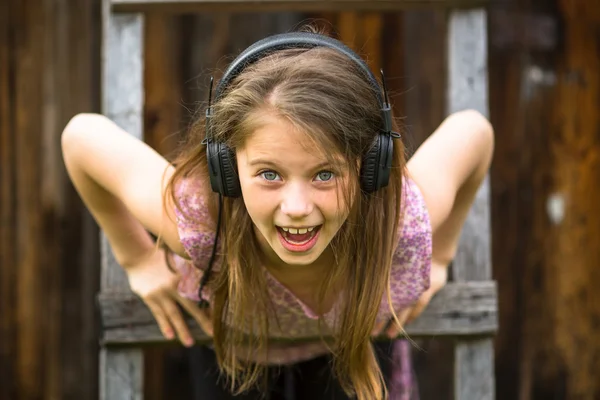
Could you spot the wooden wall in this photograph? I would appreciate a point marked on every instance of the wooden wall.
(545, 108)
(545, 96)
(49, 58)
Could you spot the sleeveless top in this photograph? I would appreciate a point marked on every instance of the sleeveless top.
(409, 277)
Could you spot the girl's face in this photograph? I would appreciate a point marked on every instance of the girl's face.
(291, 192)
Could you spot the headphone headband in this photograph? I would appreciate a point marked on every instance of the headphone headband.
(294, 40)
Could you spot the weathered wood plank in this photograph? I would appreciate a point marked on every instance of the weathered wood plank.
(122, 377)
(422, 55)
(465, 308)
(162, 121)
(468, 88)
(28, 88)
(570, 270)
(474, 371)
(162, 88)
(78, 74)
(8, 220)
(121, 370)
(185, 6)
(46, 68)
(122, 102)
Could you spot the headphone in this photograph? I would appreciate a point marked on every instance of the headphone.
(376, 163)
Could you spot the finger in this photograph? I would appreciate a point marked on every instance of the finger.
(176, 318)
(161, 319)
(396, 327)
(201, 315)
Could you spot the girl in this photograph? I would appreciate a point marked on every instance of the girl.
(291, 215)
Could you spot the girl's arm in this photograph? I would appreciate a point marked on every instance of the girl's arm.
(449, 167)
(121, 181)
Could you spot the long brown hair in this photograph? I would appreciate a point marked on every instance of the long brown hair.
(325, 95)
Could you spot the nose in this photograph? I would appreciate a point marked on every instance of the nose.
(296, 202)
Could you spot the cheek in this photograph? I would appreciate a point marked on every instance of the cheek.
(332, 209)
(258, 204)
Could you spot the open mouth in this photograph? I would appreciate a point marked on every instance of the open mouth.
(298, 239)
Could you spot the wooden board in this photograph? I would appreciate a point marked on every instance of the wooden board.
(465, 308)
(121, 370)
(468, 88)
(47, 314)
(184, 6)
(8, 204)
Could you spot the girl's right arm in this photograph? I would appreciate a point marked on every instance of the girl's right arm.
(121, 180)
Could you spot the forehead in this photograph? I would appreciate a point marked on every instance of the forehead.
(278, 140)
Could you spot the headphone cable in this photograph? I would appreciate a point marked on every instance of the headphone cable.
(206, 276)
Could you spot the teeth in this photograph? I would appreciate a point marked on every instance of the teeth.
(295, 231)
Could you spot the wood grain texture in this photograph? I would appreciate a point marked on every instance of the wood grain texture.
(29, 83)
(418, 58)
(186, 6)
(458, 309)
(8, 221)
(121, 371)
(468, 88)
(520, 169)
(122, 375)
(474, 371)
(162, 82)
(545, 216)
(46, 76)
(162, 124)
(573, 254)
(122, 102)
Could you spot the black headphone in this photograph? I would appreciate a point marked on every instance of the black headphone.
(376, 163)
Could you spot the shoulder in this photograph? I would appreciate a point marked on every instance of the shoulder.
(411, 261)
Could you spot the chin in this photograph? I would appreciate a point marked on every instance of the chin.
(299, 260)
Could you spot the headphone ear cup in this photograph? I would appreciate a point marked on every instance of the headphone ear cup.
(369, 167)
(214, 167)
(377, 164)
(229, 177)
(386, 158)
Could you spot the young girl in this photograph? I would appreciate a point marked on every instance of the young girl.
(292, 217)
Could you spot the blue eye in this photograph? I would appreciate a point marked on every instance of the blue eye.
(325, 176)
(269, 175)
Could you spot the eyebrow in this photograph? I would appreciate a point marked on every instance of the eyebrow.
(260, 161)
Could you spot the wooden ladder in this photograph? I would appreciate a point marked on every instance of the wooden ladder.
(464, 311)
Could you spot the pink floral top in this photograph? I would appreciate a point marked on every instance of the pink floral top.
(410, 272)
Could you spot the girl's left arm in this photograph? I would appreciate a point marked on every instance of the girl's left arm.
(449, 167)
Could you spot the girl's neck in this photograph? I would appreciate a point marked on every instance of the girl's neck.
(297, 276)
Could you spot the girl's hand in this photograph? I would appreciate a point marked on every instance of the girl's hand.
(439, 277)
(156, 284)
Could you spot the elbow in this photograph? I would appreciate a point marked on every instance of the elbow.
(482, 134)
(486, 136)
(77, 129)
(481, 125)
